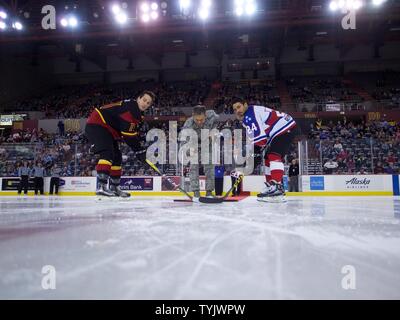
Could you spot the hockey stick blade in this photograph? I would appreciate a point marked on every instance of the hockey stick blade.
(222, 199)
(153, 166)
(210, 200)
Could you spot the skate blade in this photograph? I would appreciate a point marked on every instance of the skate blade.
(278, 199)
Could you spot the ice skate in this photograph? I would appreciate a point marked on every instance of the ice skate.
(118, 192)
(274, 193)
(103, 191)
(267, 189)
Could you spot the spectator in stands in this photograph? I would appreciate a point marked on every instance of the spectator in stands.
(342, 165)
(350, 165)
(379, 168)
(343, 155)
(24, 172)
(363, 171)
(390, 169)
(294, 176)
(391, 158)
(338, 146)
(330, 166)
(55, 179)
(38, 174)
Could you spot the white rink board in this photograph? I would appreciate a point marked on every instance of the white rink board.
(327, 183)
(348, 183)
(77, 184)
(88, 184)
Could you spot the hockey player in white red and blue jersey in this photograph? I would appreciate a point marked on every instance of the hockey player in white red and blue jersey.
(271, 129)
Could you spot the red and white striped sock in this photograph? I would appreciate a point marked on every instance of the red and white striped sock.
(267, 171)
(276, 166)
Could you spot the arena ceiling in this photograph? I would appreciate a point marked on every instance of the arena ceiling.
(275, 23)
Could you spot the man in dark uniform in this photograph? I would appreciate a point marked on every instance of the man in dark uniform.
(108, 125)
(294, 176)
(38, 173)
(23, 172)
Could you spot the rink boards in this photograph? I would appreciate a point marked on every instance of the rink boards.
(328, 185)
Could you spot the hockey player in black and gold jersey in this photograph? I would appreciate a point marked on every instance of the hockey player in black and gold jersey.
(108, 125)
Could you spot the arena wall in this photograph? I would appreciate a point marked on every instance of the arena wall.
(350, 184)
(129, 76)
(203, 59)
(328, 185)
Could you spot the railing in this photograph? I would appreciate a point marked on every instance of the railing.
(63, 152)
(341, 106)
(348, 156)
(333, 155)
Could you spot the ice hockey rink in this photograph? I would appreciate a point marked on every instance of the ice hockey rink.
(154, 248)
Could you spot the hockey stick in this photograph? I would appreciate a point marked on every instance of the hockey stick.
(153, 166)
(220, 200)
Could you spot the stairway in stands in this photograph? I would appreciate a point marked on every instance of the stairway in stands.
(357, 89)
(212, 96)
(286, 100)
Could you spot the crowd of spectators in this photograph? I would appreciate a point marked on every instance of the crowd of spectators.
(71, 151)
(77, 102)
(344, 147)
(387, 89)
(320, 90)
(46, 149)
(347, 148)
(308, 92)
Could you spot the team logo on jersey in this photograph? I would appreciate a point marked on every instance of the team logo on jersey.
(132, 127)
(288, 118)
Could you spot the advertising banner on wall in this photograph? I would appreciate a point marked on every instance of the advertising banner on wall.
(137, 184)
(350, 183)
(285, 183)
(11, 184)
(317, 183)
(335, 107)
(177, 180)
(167, 186)
(358, 183)
(78, 184)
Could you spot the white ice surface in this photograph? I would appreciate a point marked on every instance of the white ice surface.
(153, 248)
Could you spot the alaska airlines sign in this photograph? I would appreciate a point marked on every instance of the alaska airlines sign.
(358, 182)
